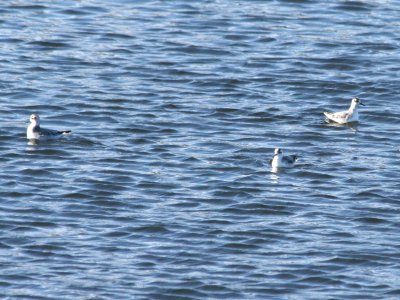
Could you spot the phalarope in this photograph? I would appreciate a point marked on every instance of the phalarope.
(279, 161)
(343, 117)
(35, 132)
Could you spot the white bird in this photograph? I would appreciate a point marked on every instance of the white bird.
(344, 117)
(35, 132)
(280, 161)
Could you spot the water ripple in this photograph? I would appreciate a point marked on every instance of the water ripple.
(163, 190)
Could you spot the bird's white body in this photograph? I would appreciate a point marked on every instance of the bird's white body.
(280, 161)
(348, 116)
(33, 130)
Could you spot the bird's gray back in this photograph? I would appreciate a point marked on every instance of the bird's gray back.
(290, 159)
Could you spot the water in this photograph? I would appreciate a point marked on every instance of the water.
(163, 190)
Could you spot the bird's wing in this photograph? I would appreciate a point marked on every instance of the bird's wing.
(290, 159)
(337, 115)
(45, 131)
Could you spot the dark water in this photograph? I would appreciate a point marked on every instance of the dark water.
(163, 191)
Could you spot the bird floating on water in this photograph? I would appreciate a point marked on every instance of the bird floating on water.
(343, 117)
(35, 132)
(280, 161)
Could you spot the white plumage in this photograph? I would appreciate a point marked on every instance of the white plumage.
(348, 116)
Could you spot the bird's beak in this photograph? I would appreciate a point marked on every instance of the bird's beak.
(362, 104)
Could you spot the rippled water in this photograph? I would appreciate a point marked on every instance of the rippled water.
(164, 191)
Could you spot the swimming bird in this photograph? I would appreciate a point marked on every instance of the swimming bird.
(280, 161)
(344, 117)
(35, 132)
